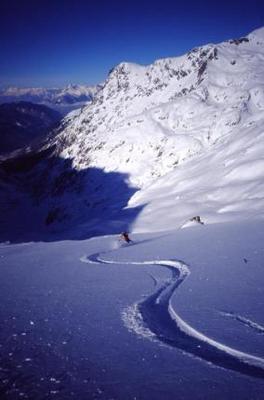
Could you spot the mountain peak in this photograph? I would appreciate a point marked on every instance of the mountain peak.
(257, 35)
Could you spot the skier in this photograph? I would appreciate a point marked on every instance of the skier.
(197, 219)
(124, 236)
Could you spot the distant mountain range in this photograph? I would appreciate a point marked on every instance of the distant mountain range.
(62, 99)
(21, 123)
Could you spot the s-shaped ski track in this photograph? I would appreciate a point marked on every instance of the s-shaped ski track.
(155, 317)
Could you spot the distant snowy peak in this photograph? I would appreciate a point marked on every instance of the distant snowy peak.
(68, 97)
(76, 93)
(51, 93)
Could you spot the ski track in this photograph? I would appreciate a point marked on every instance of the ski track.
(155, 318)
(245, 321)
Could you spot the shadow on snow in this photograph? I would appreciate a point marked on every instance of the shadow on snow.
(45, 198)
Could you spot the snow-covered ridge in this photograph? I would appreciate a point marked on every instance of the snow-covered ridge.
(148, 119)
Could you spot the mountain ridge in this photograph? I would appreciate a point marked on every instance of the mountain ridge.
(124, 88)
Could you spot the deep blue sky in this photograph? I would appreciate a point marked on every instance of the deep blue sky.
(53, 43)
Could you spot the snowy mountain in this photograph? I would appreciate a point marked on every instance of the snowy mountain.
(63, 99)
(23, 122)
(185, 132)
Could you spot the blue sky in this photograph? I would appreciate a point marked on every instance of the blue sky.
(53, 43)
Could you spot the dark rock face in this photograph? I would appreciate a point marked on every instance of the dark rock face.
(239, 41)
(24, 122)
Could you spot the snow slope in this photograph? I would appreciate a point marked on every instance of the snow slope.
(223, 184)
(178, 313)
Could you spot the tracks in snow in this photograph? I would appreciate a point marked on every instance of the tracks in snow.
(155, 317)
(245, 321)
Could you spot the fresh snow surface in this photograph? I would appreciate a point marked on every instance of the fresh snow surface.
(178, 313)
(223, 184)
